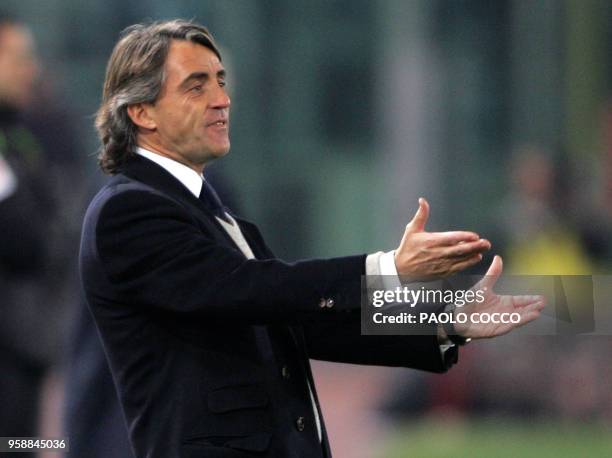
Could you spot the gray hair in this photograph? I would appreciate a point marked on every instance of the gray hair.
(135, 74)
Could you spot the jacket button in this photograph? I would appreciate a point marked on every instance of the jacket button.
(326, 303)
(285, 372)
(300, 424)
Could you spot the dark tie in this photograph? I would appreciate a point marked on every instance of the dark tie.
(212, 201)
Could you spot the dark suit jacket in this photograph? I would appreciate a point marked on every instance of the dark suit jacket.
(209, 351)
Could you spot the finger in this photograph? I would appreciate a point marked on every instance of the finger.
(451, 238)
(519, 302)
(524, 301)
(529, 316)
(420, 217)
(535, 307)
(467, 249)
(495, 270)
(465, 263)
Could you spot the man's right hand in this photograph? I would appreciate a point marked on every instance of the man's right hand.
(426, 254)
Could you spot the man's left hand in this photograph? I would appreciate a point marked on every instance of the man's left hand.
(528, 307)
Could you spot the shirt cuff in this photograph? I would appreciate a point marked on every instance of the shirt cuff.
(383, 264)
(387, 264)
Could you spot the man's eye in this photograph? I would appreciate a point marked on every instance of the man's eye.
(197, 88)
(222, 83)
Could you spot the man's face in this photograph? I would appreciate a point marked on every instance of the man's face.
(191, 115)
(18, 65)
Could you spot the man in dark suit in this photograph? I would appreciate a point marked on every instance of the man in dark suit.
(208, 335)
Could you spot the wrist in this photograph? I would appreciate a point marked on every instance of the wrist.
(452, 333)
(443, 336)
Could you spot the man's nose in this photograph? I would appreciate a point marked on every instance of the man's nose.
(221, 98)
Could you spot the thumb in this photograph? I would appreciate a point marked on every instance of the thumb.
(494, 272)
(420, 217)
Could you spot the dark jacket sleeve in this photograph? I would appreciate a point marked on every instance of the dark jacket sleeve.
(154, 253)
(344, 343)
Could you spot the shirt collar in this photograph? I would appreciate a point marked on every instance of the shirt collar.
(191, 179)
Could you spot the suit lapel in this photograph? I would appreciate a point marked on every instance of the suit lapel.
(148, 172)
(254, 238)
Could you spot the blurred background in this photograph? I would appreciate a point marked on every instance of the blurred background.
(344, 113)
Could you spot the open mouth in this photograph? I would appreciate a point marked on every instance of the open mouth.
(220, 123)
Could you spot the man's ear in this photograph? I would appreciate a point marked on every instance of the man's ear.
(140, 114)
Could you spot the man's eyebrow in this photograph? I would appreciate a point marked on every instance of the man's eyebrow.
(200, 76)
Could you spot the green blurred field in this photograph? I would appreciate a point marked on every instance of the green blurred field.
(496, 439)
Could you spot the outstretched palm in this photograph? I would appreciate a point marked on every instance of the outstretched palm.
(523, 308)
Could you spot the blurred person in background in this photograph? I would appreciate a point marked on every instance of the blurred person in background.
(537, 235)
(92, 417)
(541, 235)
(38, 207)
